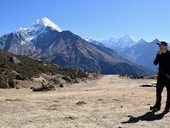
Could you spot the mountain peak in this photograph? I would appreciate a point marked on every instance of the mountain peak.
(142, 41)
(126, 38)
(45, 22)
(156, 40)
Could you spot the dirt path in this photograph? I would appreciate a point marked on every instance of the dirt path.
(103, 103)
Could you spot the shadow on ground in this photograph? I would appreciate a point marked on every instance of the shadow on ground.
(149, 116)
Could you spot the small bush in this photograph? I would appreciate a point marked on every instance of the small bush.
(11, 83)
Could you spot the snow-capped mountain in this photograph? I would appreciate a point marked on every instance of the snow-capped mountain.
(44, 22)
(47, 42)
(119, 44)
(37, 28)
(24, 38)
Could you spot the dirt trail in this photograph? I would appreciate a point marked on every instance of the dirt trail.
(108, 102)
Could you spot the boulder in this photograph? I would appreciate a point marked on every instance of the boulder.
(14, 60)
(44, 88)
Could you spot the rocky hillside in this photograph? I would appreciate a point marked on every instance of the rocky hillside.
(22, 68)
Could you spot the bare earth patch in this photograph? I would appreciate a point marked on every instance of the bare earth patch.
(108, 102)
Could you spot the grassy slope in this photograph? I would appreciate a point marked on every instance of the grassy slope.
(28, 68)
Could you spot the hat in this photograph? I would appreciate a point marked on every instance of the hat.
(162, 43)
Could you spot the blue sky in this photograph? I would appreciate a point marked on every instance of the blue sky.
(97, 19)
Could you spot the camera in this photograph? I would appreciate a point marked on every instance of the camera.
(158, 44)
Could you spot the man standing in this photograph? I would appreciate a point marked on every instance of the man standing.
(163, 59)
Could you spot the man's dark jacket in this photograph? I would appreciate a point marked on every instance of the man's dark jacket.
(164, 62)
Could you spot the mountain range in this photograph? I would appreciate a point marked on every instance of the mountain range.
(142, 52)
(47, 42)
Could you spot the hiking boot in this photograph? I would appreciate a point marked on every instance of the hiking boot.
(167, 108)
(156, 107)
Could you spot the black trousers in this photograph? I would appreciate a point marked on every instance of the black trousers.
(162, 82)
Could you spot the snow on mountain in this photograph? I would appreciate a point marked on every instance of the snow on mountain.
(87, 39)
(38, 27)
(119, 44)
(45, 22)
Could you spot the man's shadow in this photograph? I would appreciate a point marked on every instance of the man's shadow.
(149, 116)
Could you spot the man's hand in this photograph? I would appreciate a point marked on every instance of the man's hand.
(162, 50)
